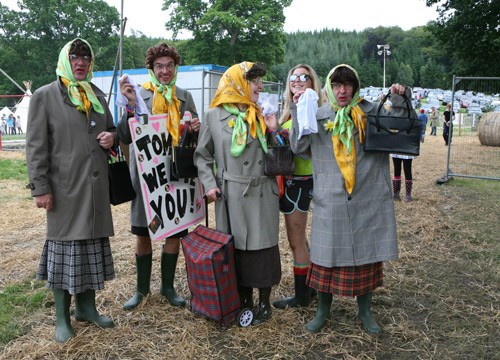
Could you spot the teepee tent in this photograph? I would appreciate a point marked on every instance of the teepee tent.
(21, 108)
(5, 111)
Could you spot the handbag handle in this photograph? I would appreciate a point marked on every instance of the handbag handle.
(408, 105)
(219, 195)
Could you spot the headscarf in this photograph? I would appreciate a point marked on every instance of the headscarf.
(165, 101)
(235, 89)
(79, 92)
(346, 119)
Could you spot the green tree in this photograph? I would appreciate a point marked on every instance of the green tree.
(469, 32)
(32, 37)
(229, 31)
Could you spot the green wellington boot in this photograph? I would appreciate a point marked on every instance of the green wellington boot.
(85, 310)
(365, 314)
(168, 266)
(302, 295)
(64, 331)
(143, 265)
(322, 314)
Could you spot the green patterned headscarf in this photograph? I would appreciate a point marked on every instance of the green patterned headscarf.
(65, 71)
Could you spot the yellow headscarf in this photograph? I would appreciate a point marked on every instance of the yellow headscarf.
(235, 89)
(165, 101)
(346, 119)
(79, 92)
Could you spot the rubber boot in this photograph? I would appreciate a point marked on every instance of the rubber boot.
(365, 314)
(322, 314)
(264, 310)
(143, 265)
(409, 184)
(302, 295)
(396, 188)
(85, 310)
(64, 331)
(168, 265)
(246, 297)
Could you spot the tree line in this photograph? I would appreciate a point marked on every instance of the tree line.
(464, 40)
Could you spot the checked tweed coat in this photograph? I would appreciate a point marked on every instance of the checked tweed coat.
(253, 197)
(355, 229)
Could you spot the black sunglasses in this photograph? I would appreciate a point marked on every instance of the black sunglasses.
(301, 77)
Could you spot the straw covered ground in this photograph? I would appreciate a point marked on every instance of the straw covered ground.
(440, 299)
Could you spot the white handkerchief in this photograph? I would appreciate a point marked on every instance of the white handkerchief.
(122, 101)
(306, 113)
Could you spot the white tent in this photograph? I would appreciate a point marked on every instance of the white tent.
(21, 109)
(6, 111)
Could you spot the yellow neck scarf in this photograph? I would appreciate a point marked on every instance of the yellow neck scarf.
(347, 118)
(79, 92)
(165, 101)
(235, 89)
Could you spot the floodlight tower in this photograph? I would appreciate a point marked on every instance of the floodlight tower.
(384, 50)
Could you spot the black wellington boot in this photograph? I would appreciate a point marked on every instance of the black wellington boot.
(302, 295)
(264, 310)
(246, 297)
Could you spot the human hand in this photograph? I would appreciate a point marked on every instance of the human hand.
(45, 201)
(195, 124)
(211, 194)
(271, 122)
(127, 89)
(297, 95)
(106, 139)
(398, 89)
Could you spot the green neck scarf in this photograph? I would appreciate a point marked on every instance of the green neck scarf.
(165, 90)
(343, 125)
(65, 71)
(240, 133)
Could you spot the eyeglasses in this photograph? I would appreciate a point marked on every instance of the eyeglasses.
(347, 86)
(84, 58)
(301, 77)
(160, 66)
(257, 81)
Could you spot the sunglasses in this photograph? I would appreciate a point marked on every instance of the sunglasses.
(301, 77)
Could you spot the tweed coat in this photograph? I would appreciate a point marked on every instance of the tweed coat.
(253, 197)
(349, 229)
(137, 211)
(65, 159)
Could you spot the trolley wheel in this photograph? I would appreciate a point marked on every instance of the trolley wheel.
(245, 317)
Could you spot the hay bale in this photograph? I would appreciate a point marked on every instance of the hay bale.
(489, 129)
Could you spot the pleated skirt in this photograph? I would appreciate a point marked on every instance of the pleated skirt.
(347, 280)
(76, 266)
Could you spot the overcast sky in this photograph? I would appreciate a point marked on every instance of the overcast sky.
(302, 15)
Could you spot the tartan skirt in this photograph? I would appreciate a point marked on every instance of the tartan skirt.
(346, 280)
(76, 266)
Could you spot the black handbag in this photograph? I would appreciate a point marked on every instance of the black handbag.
(279, 159)
(120, 183)
(182, 158)
(393, 134)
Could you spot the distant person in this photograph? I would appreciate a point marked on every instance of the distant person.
(404, 161)
(3, 125)
(70, 130)
(11, 121)
(434, 120)
(423, 118)
(449, 115)
(18, 125)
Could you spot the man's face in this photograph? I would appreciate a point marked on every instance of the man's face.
(80, 65)
(164, 69)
